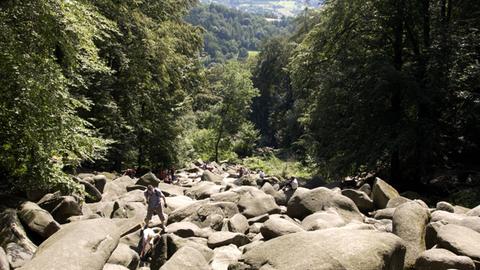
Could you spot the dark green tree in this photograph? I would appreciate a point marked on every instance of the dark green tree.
(47, 53)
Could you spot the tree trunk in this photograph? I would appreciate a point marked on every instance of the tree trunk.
(396, 99)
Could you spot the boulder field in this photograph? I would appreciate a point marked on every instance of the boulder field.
(217, 220)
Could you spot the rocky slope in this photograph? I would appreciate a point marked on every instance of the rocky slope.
(219, 221)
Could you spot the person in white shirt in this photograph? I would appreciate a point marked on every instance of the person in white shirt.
(292, 184)
(148, 238)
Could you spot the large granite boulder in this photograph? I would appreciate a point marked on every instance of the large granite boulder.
(4, 264)
(175, 243)
(186, 258)
(148, 179)
(409, 223)
(386, 213)
(238, 223)
(471, 222)
(205, 214)
(208, 176)
(128, 210)
(132, 240)
(116, 188)
(323, 220)
(246, 180)
(277, 226)
(383, 192)
(80, 245)
(251, 201)
(396, 202)
(186, 211)
(304, 203)
(224, 256)
(171, 190)
(442, 259)
(329, 249)
(99, 181)
(110, 266)
(281, 196)
(12, 230)
(38, 220)
(218, 239)
(92, 193)
(474, 212)
(360, 198)
(445, 206)
(103, 209)
(176, 202)
(125, 256)
(460, 240)
(203, 190)
(17, 255)
(184, 229)
(61, 207)
(68, 207)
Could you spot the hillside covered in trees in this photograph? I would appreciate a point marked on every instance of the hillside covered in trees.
(143, 135)
(231, 34)
(383, 87)
(389, 87)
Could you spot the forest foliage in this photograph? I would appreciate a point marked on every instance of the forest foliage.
(390, 87)
(111, 85)
(80, 76)
(230, 33)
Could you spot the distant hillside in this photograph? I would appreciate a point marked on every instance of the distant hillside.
(272, 8)
(231, 33)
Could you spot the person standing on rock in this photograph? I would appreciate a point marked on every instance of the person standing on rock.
(153, 197)
(291, 185)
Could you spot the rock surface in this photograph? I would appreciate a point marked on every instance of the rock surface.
(218, 239)
(330, 249)
(12, 230)
(409, 223)
(224, 256)
(277, 226)
(323, 220)
(383, 192)
(442, 259)
(460, 240)
(38, 220)
(212, 222)
(360, 198)
(186, 258)
(4, 265)
(304, 203)
(81, 245)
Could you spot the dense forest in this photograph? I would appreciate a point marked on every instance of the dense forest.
(384, 87)
(389, 87)
(230, 33)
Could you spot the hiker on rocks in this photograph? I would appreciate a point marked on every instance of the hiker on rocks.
(172, 174)
(167, 177)
(130, 173)
(153, 196)
(292, 184)
(261, 174)
(242, 171)
(148, 239)
(207, 167)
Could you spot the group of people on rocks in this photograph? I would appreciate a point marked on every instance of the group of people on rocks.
(154, 197)
(167, 175)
